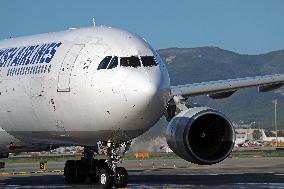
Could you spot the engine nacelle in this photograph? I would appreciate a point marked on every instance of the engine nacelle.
(5, 140)
(10, 144)
(201, 135)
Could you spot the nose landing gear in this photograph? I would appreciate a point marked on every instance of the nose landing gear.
(104, 171)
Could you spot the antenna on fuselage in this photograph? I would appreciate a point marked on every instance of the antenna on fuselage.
(94, 22)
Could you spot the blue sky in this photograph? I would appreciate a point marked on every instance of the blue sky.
(244, 26)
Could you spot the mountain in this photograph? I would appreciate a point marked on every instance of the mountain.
(190, 65)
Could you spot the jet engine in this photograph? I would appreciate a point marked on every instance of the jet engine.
(201, 135)
(10, 144)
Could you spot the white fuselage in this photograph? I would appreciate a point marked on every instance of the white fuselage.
(270, 139)
(52, 92)
(240, 141)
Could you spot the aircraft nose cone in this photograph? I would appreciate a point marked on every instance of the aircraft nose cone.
(145, 93)
(148, 89)
(142, 87)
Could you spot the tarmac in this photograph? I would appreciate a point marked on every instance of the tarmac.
(231, 173)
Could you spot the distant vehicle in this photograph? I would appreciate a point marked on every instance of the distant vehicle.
(252, 143)
(101, 87)
(165, 149)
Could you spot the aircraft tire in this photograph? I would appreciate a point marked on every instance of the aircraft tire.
(122, 177)
(69, 175)
(80, 171)
(105, 178)
(4, 155)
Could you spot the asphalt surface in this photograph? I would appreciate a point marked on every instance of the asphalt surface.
(231, 173)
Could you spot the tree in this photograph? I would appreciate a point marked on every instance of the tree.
(256, 134)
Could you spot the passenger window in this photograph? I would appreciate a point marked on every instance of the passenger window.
(148, 61)
(132, 61)
(103, 64)
(113, 63)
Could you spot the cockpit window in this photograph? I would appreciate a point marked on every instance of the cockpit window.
(148, 61)
(113, 63)
(132, 61)
(103, 64)
(110, 62)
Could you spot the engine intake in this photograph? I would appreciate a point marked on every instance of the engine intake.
(201, 135)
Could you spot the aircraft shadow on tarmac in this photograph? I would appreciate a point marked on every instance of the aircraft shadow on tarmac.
(149, 179)
(206, 179)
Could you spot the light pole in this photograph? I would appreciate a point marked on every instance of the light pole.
(275, 119)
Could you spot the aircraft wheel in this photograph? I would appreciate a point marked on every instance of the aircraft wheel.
(75, 171)
(4, 155)
(80, 171)
(69, 175)
(122, 177)
(105, 178)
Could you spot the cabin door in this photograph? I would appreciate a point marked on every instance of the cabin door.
(67, 67)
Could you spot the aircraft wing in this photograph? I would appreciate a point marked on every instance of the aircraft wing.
(225, 88)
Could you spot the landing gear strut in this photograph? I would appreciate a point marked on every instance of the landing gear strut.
(104, 171)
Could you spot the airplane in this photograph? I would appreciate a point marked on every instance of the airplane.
(270, 139)
(99, 88)
(240, 141)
